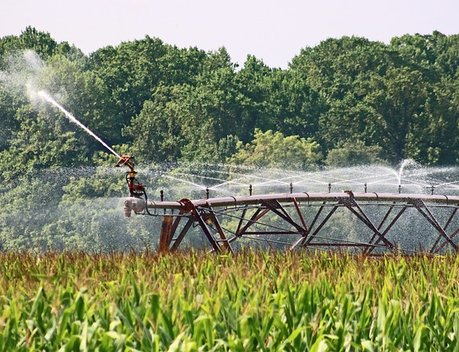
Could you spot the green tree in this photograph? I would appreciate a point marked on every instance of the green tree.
(295, 106)
(434, 54)
(40, 42)
(253, 86)
(332, 66)
(43, 141)
(397, 100)
(433, 138)
(384, 110)
(193, 122)
(157, 131)
(86, 96)
(354, 154)
(181, 66)
(9, 104)
(218, 98)
(131, 72)
(273, 149)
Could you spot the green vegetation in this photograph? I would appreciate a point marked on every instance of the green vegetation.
(273, 150)
(171, 104)
(251, 301)
(346, 101)
(354, 153)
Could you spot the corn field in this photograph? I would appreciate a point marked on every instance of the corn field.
(251, 301)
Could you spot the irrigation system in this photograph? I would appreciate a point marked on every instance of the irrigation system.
(366, 222)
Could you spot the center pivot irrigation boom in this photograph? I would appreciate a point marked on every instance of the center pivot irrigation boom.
(370, 223)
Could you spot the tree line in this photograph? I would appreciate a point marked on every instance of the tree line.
(344, 101)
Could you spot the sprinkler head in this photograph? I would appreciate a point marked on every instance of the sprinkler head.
(127, 160)
(136, 189)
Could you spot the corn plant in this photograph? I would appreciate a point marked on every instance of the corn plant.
(257, 301)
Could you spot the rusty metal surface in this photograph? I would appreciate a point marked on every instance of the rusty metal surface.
(165, 236)
(297, 221)
(308, 197)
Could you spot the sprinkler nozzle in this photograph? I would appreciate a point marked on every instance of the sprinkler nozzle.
(136, 189)
(125, 159)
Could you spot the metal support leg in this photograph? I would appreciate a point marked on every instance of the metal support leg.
(384, 233)
(308, 240)
(364, 218)
(165, 236)
(433, 221)
(220, 231)
(182, 234)
(207, 233)
(432, 250)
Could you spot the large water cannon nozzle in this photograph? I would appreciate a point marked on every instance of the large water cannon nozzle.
(126, 160)
(136, 189)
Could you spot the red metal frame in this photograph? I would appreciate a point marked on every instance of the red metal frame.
(299, 220)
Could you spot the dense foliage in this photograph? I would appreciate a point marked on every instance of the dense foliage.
(171, 104)
(249, 302)
(346, 101)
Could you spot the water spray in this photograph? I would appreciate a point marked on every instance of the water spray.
(136, 189)
(45, 96)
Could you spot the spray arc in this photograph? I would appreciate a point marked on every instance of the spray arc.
(138, 196)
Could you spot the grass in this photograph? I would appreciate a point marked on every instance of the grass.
(250, 301)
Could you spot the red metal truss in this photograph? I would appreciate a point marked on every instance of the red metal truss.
(379, 222)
